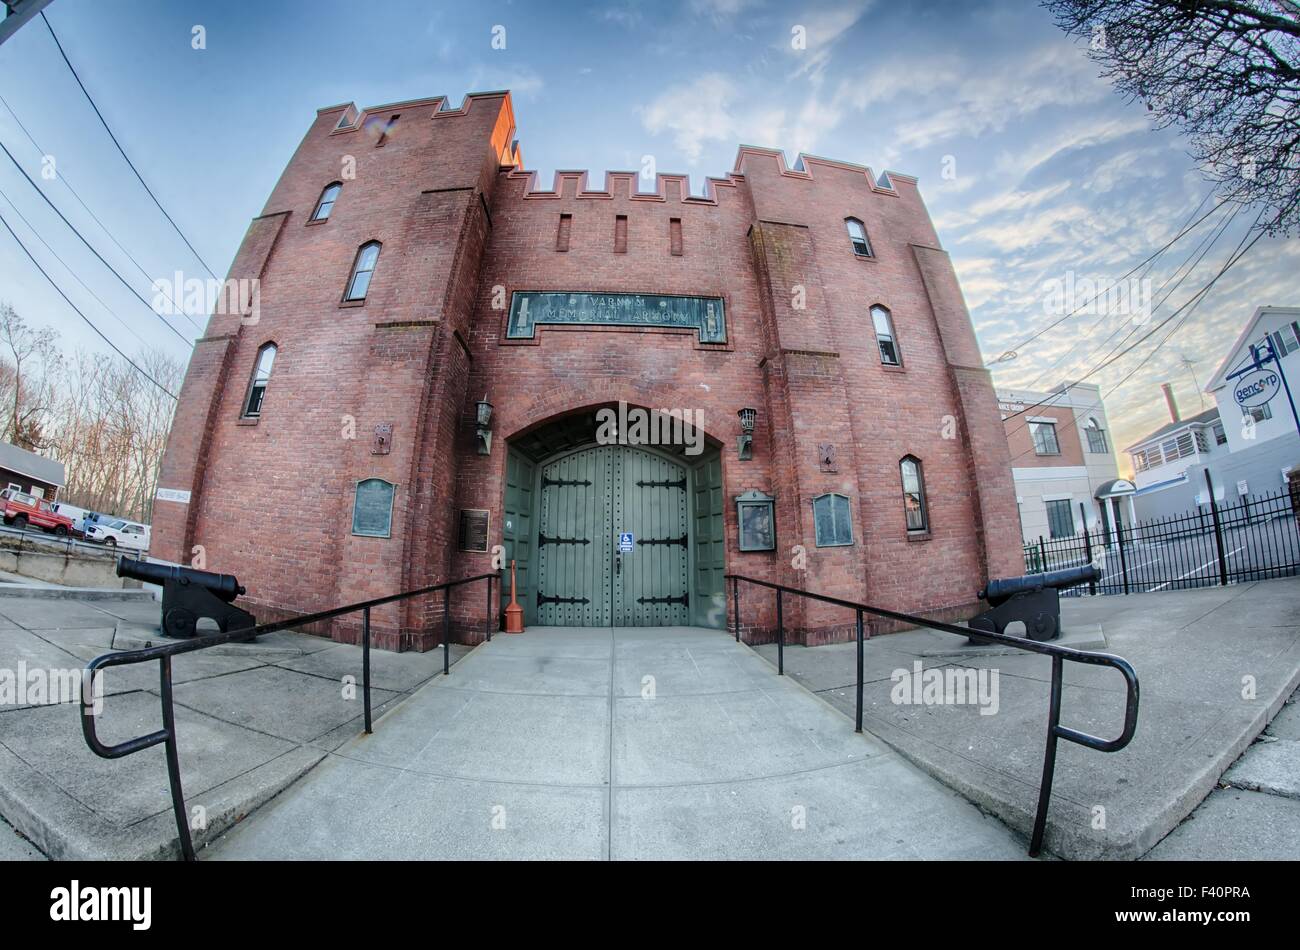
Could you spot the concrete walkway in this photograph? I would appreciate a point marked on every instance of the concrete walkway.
(1215, 665)
(251, 719)
(667, 743)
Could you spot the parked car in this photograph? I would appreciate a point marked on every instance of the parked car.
(22, 509)
(119, 533)
(79, 516)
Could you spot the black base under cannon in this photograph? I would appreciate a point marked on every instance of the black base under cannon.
(190, 595)
(1034, 600)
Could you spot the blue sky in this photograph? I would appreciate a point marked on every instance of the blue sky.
(1031, 166)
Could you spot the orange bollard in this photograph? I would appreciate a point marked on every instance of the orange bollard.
(514, 613)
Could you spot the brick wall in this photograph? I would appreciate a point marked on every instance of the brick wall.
(460, 232)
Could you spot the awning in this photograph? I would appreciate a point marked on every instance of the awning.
(1115, 488)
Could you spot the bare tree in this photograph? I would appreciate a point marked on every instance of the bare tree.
(96, 413)
(1226, 72)
(30, 380)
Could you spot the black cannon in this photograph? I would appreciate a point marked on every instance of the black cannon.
(189, 594)
(1034, 599)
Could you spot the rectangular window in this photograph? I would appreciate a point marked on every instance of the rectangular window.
(1186, 446)
(1140, 463)
(620, 234)
(1097, 441)
(1287, 339)
(1220, 437)
(1260, 413)
(562, 235)
(1044, 435)
(1060, 522)
(675, 237)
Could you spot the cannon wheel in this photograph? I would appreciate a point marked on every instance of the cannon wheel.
(1042, 628)
(180, 623)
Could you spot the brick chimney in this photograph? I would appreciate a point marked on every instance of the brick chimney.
(1169, 401)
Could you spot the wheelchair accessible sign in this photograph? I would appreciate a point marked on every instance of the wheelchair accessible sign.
(626, 542)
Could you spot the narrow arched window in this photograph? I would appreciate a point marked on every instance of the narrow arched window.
(326, 203)
(914, 507)
(858, 237)
(257, 386)
(359, 283)
(831, 520)
(1096, 436)
(890, 355)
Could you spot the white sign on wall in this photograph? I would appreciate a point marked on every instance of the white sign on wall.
(173, 494)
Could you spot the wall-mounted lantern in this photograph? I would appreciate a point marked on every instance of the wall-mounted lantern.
(745, 443)
(482, 430)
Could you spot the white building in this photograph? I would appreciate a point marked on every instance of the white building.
(1248, 450)
(1063, 462)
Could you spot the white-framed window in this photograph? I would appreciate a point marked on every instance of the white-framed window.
(858, 237)
(890, 355)
(1096, 436)
(362, 270)
(257, 385)
(1044, 436)
(326, 203)
(1259, 413)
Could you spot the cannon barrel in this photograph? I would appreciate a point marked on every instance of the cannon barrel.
(1002, 589)
(224, 586)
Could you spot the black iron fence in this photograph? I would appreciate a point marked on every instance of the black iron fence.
(1250, 539)
(1059, 655)
(166, 736)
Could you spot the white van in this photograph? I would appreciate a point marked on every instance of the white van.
(78, 515)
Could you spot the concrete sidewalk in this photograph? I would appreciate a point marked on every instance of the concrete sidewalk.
(1215, 665)
(663, 743)
(251, 720)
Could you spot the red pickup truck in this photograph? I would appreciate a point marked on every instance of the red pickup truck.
(22, 509)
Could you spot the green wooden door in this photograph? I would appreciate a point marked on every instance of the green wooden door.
(652, 582)
(708, 544)
(517, 532)
(585, 500)
(574, 569)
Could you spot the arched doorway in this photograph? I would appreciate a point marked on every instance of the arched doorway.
(614, 534)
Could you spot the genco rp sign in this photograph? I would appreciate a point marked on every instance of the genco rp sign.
(1257, 388)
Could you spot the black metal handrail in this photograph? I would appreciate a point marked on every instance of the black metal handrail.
(163, 653)
(1059, 655)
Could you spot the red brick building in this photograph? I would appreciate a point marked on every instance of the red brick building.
(409, 269)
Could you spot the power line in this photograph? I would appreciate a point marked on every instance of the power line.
(1015, 350)
(1193, 302)
(103, 227)
(73, 227)
(55, 255)
(78, 312)
(1198, 252)
(1151, 263)
(122, 151)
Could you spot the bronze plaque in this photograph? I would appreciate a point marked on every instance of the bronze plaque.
(372, 509)
(474, 529)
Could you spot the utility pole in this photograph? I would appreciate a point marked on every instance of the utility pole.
(18, 12)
